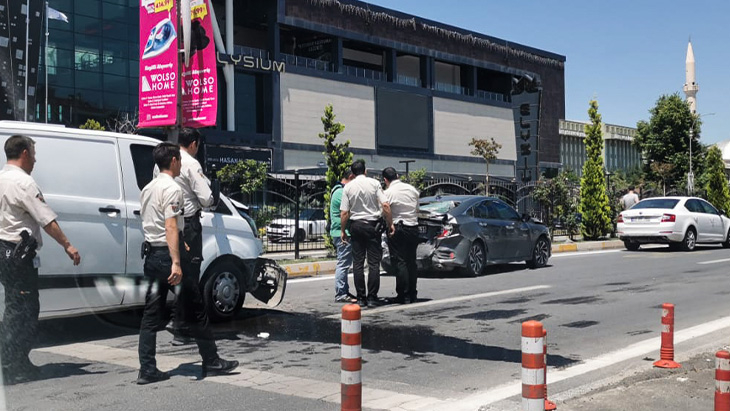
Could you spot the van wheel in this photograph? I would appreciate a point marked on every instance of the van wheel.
(223, 292)
(301, 235)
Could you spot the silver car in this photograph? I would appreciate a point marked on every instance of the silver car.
(468, 232)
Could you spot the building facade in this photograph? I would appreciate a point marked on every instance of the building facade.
(618, 152)
(405, 87)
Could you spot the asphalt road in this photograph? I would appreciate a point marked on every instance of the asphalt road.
(457, 348)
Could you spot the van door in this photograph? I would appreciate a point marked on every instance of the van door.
(81, 181)
(137, 167)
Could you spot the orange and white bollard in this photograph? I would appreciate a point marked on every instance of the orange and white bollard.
(351, 359)
(722, 381)
(549, 405)
(667, 349)
(533, 366)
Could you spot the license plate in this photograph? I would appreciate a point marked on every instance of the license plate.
(422, 229)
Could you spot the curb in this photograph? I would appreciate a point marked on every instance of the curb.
(312, 269)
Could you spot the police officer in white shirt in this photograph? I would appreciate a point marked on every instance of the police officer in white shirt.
(197, 194)
(23, 211)
(363, 204)
(162, 220)
(403, 235)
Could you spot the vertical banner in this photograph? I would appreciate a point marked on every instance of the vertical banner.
(158, 63)
(200, 88)
(526, 108)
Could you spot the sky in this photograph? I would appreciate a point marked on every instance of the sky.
(625, 54)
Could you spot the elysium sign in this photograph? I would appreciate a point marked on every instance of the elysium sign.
(251, 62)
(526, 94)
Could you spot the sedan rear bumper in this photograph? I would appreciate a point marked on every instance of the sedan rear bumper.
(644, 236)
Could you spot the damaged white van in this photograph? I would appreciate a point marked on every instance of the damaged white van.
(92, 180)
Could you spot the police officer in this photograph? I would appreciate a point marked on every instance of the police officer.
(162, 221)
(197, 194)
(23, 211)
(363, 204)
(403, 235)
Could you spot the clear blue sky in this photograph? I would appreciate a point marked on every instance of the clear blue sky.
(624, 53)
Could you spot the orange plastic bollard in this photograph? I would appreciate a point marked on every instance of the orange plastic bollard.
(549, 405)
(722, 381)
(533, 366)
(667, 349)
(351, 359)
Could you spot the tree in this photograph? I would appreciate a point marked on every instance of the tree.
(416, 178)
(92, 125)
(558, 195)
(124, 123)
(338, 158)
(486, 149)
(717, 189)
(663, 171)
(594, 206)
(248, 176)
(665, 139)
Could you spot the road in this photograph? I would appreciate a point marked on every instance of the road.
(458, 348)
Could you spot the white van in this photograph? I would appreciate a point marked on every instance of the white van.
(92, 180)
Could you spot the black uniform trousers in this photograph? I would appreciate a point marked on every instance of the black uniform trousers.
(403, 245)
(20, 321)
(157, 268)
(185, 312)
(366, 242)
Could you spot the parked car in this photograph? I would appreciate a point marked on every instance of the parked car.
(681, 222)
(92, 180)
(467, 233)
(311, 227)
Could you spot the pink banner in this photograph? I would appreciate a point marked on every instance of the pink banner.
(158, 63)
(200, 79)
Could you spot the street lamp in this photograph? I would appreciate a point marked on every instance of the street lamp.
(690, 174)
(407, 162)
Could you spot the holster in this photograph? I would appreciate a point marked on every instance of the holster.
(25, 250)
(145, 250)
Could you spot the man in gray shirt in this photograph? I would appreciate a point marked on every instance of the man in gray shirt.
(629, 199)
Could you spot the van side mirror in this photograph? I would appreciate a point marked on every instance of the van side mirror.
(526, 218)
(722, 212)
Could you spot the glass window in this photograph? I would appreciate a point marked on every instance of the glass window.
(116, 30)
(88, 79)
(709, 208)
(505, 212)
(66, 6)
(116, 101)
(61, 39)
(87, 26)
(89, 98)
(60, 76)
(144, 163)
(480, 210)
(89, 8)
(61, 57)
(665, 203)
(114, 12)
(438, 207)
(77, 173)
(116, 84)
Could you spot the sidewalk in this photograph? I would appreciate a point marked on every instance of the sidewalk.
(327, 267)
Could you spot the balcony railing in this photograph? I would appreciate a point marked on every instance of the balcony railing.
(490, 95)
(250, 51)
(362, 73)
(451, 88)
(306, 62)
(409, 80)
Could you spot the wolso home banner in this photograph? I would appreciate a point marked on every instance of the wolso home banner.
(158, 63)
(200, 88)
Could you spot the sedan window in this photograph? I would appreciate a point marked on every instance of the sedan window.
(665, 203)
(709, 208)
(694, 206)
(480, 210)
(438, 207)
(505, 212)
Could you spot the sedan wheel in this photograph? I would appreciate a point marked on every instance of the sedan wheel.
(726, 244)
(540, 254)
(690, 240)
(631, 246)
(477, 259)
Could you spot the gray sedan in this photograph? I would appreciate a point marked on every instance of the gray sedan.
(469, 232)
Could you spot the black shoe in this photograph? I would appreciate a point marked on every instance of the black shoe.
(180, 340)
(219, 366)
(363, 303)
(151, 377)
(375, 302)
(351, 296)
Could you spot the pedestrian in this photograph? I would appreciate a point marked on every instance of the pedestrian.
(366, 209)
(344, 248)
(164, 249)
(197, 194)
(629, 199)
(23, 211)
(403, 235)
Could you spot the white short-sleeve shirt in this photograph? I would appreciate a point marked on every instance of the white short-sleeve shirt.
(403, 199)
(22, 206)
(195, 185)
(161, 199)
(363, 198)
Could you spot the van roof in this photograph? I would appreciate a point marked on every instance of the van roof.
(21, 126)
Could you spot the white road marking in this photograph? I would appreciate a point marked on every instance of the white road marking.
(582, 253)
(724, 260)
(402, 307)
(638, 349)
(254, 379)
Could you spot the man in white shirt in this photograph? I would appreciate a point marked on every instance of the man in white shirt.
(23, 211)
(363, 204)
(403, 235)
(629, 199)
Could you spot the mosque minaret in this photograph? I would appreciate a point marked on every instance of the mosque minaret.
(690, 86)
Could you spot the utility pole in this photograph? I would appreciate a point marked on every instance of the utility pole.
(407, 162)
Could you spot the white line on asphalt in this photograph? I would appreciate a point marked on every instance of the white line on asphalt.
(715, 261)
(582, 253)
(401, 307)
(254, 379)
(638, 349)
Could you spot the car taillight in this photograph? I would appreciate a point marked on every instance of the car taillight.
(669, 218)
(445, 231)
(620, 218)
